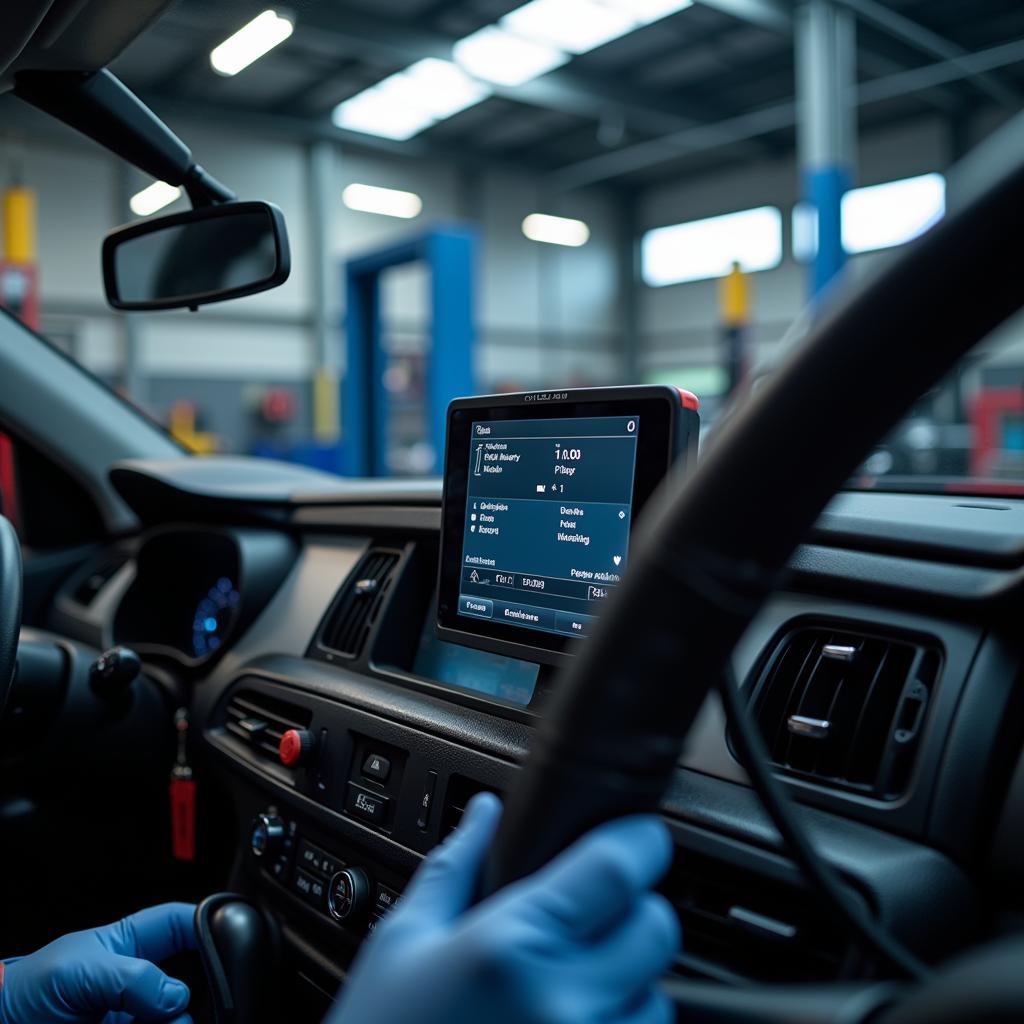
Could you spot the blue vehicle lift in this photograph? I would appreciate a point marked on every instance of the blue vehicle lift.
(450, 254)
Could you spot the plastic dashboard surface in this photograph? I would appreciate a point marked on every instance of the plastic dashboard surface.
(964, 769)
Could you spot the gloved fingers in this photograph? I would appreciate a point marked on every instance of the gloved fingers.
(154, 933)
(657, 1008)
(136, 987)
(443, 886)
(125, 1018)
(631, 958)
(594, 884)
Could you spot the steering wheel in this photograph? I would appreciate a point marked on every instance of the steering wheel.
(710, 550)
(10, 606)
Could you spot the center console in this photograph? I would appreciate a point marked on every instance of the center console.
(454, 633)
(403, 667)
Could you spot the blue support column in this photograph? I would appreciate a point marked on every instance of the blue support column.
(363, 400)
(824, 188)
(451, 257)
(827, 126)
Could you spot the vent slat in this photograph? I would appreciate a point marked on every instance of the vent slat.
(864, 697)
(355, 609)
(279, 716)
(802, 657)
(717, 904)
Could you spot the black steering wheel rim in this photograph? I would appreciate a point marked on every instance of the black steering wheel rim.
(710, 550)
(10, 606)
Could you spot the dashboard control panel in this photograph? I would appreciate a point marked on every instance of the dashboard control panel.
(336, 887)
(377, 777)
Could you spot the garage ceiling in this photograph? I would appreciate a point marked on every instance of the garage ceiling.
(706, 86)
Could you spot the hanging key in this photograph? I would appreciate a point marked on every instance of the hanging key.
(183, 795)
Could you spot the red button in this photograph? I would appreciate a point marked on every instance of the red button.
(293, 745)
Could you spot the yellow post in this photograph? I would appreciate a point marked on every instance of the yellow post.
(182, 425)
(19, 218)
(734, 297)
(734, 306)
(325, 405)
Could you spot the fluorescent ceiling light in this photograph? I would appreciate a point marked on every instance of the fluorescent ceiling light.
(406, 103)
(646, 11)
(573, 25)
(374, 112)
(702, 249)
(542, 227)
(875, 216)
(880, 216)
(250, 42)
(498, 56)
(153, 197)
(391, 202)
(439, 87)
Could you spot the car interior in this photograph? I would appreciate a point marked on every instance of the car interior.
(237, 676)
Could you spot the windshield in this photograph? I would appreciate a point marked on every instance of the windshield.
(646, 208)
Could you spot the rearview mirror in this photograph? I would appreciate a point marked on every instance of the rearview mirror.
(189, 259)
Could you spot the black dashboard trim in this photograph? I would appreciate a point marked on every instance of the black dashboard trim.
(913, 888)
(707, 749)
(485, 733)
(963, 530)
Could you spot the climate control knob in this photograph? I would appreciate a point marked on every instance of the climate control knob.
(348, 896)
(267, 837)
(295, 747)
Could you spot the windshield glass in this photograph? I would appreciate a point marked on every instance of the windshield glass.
(646, 207)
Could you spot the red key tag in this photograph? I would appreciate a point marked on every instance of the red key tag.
(183, 796)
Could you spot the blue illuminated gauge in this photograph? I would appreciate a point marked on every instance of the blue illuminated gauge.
(213, 617)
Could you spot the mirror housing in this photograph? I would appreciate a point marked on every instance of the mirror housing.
(186, 260)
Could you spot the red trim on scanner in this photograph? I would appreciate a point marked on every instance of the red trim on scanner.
(1, 974)
(688, 399)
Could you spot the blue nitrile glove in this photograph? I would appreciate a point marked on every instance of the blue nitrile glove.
(581, 941)
(105, 974)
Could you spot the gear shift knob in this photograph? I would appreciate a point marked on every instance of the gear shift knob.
(239, 945)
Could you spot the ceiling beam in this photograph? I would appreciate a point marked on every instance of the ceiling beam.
(770, 14)
(298, 129)
(966, 65)
(388, 41)
(644, 155)
(926, 41)
(777, 16)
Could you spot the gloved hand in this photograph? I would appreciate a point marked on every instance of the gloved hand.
(105, 974)
(582, 941)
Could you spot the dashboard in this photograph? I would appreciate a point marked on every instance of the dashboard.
(349, 716)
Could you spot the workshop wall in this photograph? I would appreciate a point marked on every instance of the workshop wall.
(545, 314)
(679, 324)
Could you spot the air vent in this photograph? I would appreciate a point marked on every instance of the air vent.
(358, 604)
(846, 708)
(261, 721)
(101, 574)
(740, 925)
